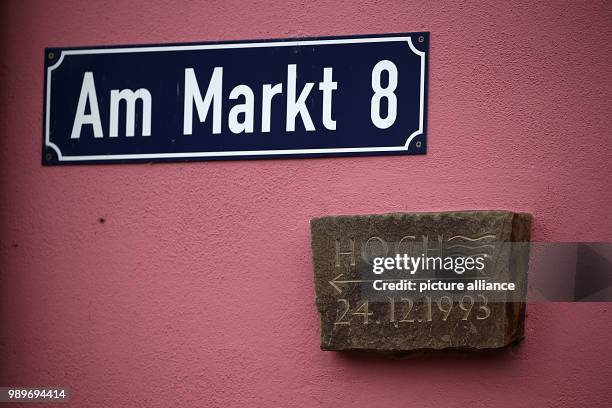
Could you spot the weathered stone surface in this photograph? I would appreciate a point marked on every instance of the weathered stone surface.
(353, 317)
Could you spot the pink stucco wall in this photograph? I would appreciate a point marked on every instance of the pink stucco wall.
(197, 288)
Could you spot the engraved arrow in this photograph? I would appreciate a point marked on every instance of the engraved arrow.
(335, 282)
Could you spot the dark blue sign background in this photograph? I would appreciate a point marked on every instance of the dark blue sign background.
(161, 70)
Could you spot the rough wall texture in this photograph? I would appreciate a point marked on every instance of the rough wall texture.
(146, 285)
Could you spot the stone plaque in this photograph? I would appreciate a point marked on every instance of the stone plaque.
(397, 307)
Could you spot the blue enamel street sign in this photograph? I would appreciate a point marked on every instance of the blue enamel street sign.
(311, 97)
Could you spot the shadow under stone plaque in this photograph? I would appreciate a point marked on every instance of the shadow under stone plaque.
(355, 316)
